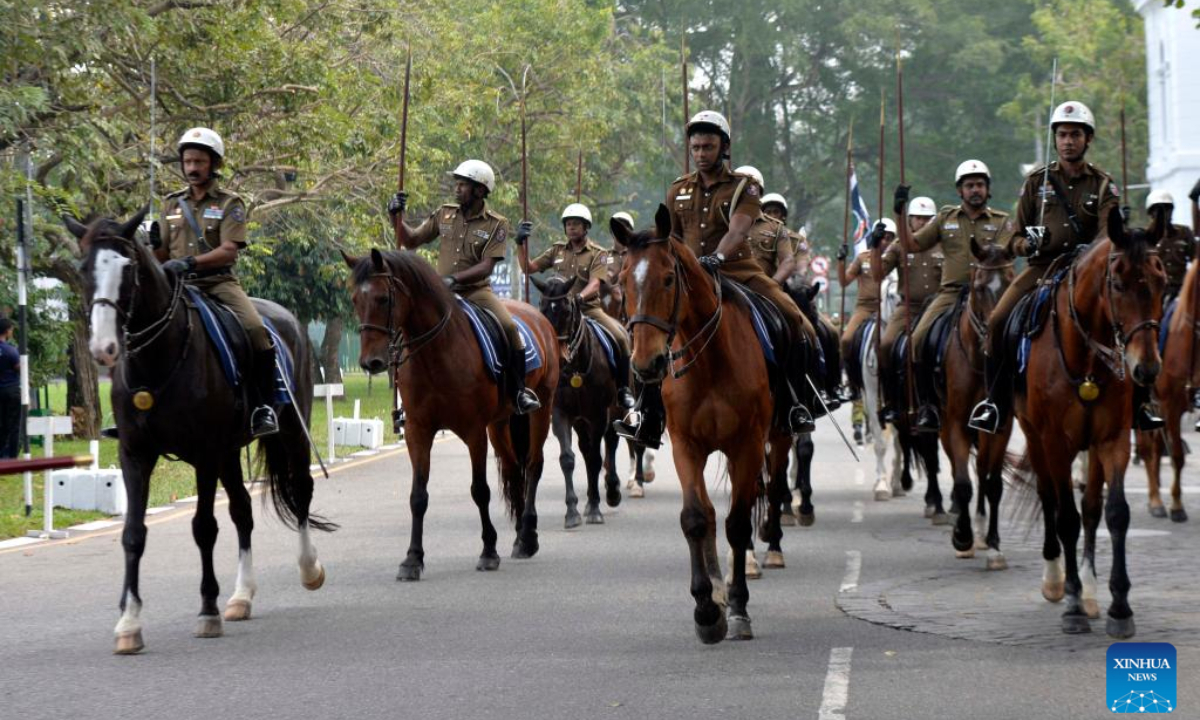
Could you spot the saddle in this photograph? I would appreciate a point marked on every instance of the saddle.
(607, 341)
(769, 324)
(493, 342)
(232, 345)
(853, 363)
(1165, 327)
(1028, 318)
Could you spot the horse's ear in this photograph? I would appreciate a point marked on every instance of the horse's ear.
(377, 260)
(1116, 228)
(350, 260)
(976, 249)
(813, 291)
(539, 283)
(131, 225)
(662, 222)
(77, 228)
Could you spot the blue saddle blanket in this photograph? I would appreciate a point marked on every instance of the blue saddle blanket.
(1031, 323)
(1165, 326)
(606, 342)
(487, 346)
(228, 356)
(760, 328)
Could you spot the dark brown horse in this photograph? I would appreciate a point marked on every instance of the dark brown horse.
(585, 401)
(699, 343)
(411, 324)
(964, 387)
(1100, 339)
(1174, 387)
(170, 396)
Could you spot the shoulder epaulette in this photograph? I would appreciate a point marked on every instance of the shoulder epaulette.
(494, 215)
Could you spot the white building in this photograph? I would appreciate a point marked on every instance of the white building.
(1173, 84)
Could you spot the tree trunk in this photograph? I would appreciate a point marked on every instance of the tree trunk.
(83, 384)
(329, 349)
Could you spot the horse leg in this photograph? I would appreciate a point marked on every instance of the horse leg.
(991, 469)
(900, 465)
(1174, 415)
(778, 497)
(1053, 574)
(935, 511)
(489, 559)
(1092, 508)
(135, 470)
(963, 537)
(744, 468)
(589, 445)
(204, 531)
(531, 475)
(1074, 619)
(240, 511)
(805, 511)
(1114, 457)
(566, 461)
(697, 519)
(612, 479)
(1149, 448)
(419, 441)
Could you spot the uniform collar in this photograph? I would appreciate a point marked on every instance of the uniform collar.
(465, 212)
(723, 176)
(211, 192)
(587, 245)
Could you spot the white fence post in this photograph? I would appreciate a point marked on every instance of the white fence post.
(48, 427)
(329, 392)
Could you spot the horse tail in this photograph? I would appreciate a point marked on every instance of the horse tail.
(283, 460)
(514, 482)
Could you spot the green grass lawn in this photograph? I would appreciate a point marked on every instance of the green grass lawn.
(171, 480)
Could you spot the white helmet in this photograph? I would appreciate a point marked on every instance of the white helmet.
(752, 172)
(624, 217)
(477, 171)
(889, 225)
(922, 206)
(1073, 111)
(708, 118)
(775, 198)
(1159, 197)
(202, 137)
(577, 211)
(971, 167)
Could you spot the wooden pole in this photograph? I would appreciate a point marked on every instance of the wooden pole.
(524, 194)
(846, 220)
(902, 231)
(882, 213)
(687, 159)
(579, 178)
(403, 143)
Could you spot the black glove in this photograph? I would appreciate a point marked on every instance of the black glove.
(842, 252)
(1195, 193)
(449, 282)
(524, 230)
(900, 198)
(155, 235)
(1035, 238)
(397, 204)
(180, 266)
(711, 263)
(1126, 213)
(875, 239)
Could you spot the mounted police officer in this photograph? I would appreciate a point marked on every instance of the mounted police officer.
(775, 206)
(861, 272)
(586, 265)
(205, 230)
(1060, 208)
(952, 229)
(472, 242)
(770, 241)
(1176, 244)
(920, 275)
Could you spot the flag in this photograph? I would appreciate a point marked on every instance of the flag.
(862, 216)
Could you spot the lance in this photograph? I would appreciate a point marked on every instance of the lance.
(1125, 214)
(579, 178)
(902, 232)
(403, 140)
(524, 192)
(846, 221)
(882, 212)
(18, 466)
(687, 160)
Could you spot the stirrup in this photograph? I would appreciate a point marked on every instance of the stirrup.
(263, 421)
(985, 418)
(800, 420)
(928, 419)
(1145, 419)
(833, 402)
(399, 420)
(527, 402)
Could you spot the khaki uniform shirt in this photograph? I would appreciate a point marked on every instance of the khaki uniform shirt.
(953, 228)
(923, 271)
(700, 215)
(466, 241)
(221, 215)
(803, 253)
(1093, 195)
(580, 265)
(868, 289)
(769, 240)
(1176, 250)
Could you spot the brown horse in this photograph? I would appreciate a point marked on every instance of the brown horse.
(1100, 339)
(411, 324)
(699, 344)
(1178, 377)
(964, 387)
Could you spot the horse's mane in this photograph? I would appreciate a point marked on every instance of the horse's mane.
(412, 269)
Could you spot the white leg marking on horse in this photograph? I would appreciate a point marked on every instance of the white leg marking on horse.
(129, 621)
(309, 568)
(109, 269)
(857, 517)
(246, 586)
(853, 568)
(837, 685)
(1088, 574)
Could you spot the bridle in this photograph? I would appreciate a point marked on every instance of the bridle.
(977, 320)
(401, 350)
(671, 326)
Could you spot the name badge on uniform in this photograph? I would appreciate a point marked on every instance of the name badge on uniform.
(684, 197)
(559, 260)
(952, 226)
(990, 228)
(608, 261)
(174, 217)
(214, 213)
(481, 234)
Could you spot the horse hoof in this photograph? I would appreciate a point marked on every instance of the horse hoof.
(898, 491)
(613, 496)
(523, 550)
(1120, 628)
(1076, 624)
(996, 561)
(774, 560)
(965, 554)
(1092, 608)
(129, 643)
(637, 492)
(963, 546)
(629, 484)
(209, 626)
(1158, 511)
(316, 582)
(595, 518)
(1179, 515)
(237, 610)
(787, 520)
(738, 628)
(1054, 592)
(712, 634)
(929, 511)
(409, 573)
(981, 542)
(939, 518)
(753, 570)
(649, 477)
(573, 520)
(881, 495)
(807, 519)
(488, 563)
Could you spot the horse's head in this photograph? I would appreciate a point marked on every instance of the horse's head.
(381, 303)
(650, 281)
(559, 307)
(111, 258)
(804, 294)
(1135, 279)
(991, 276)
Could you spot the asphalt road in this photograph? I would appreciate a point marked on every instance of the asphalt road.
(597, 625)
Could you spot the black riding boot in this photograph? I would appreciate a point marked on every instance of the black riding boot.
(624, 398)
(800, 418)
(263, 420)
(646, 421)
(524, 399)
(1145, 414)
(928, 419)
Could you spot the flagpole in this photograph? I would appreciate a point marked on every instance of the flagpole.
(846, 223)
(687, 160)
(903, 231)
(877, 253)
